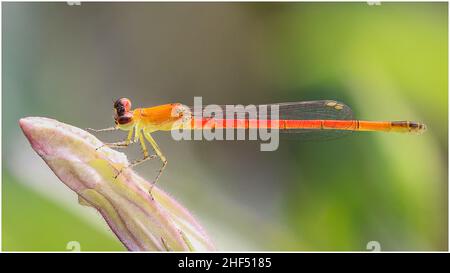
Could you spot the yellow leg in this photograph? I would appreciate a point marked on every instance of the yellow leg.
(138, 161)
(160, 155)
(120, 144)
(144, 150)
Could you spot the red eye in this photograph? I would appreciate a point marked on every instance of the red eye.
(127, 118)
(122, 105)
(126, 104)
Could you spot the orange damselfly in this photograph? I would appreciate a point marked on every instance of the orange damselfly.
(321, 119)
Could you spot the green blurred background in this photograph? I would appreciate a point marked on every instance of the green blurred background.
(387, 62)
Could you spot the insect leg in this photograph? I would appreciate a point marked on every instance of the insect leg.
(138, 161)
(160, 155)
(120, 144)
(102, 130)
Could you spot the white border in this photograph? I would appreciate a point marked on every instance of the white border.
(448, 114)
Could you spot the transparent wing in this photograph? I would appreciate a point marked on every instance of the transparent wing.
(305, 110)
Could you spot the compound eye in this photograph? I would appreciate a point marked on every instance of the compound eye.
(126, 104)
(127, 118)
(122, 105)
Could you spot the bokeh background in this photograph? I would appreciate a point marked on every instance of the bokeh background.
(387, 62)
